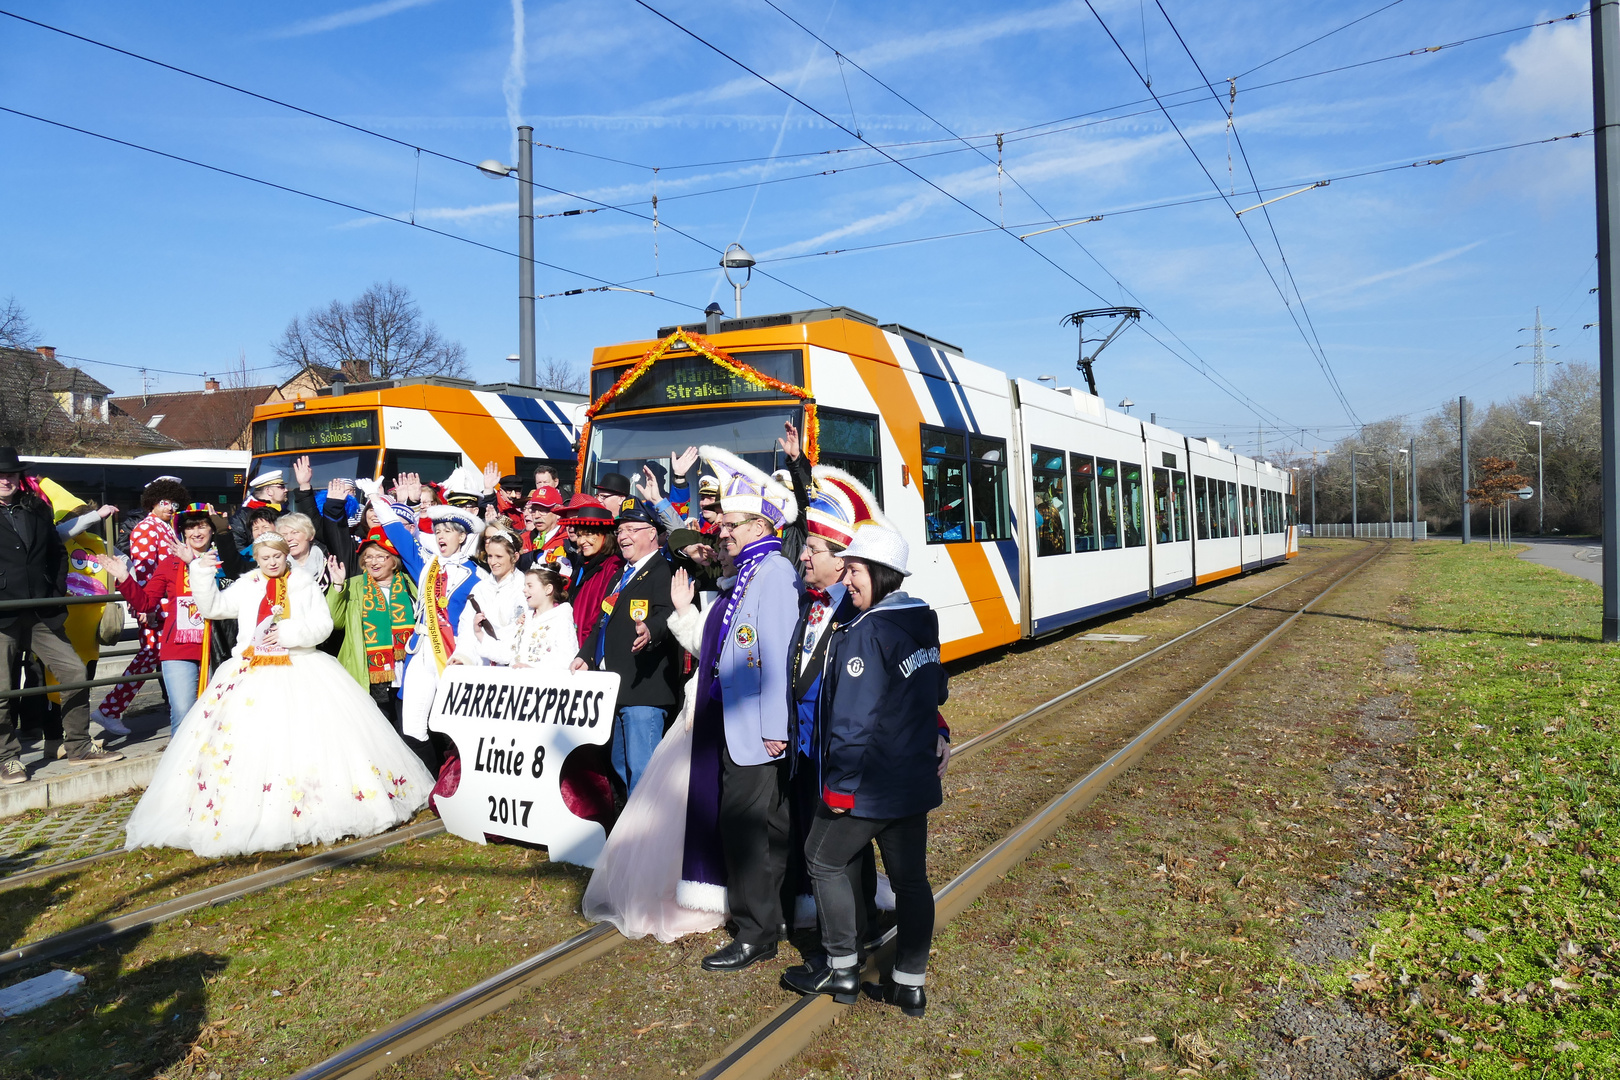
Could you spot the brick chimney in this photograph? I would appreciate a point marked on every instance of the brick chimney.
(210, 385)
(47, 351)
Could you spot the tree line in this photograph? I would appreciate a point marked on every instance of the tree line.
(1571, 461)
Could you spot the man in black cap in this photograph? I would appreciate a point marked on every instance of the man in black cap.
(613, 489)
(34, 566)
(632, 638)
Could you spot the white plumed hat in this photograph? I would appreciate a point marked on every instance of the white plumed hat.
(745, 489)
(880, 544)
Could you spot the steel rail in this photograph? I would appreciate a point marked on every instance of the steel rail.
(780, 1037)
(92, 935)
(434, 1021)
(39, 873)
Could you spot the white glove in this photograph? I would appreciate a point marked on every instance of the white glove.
(367, 487)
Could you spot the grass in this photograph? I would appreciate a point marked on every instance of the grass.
(1502, 954)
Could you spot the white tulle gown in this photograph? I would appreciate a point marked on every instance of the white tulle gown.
(284, 748)
(633, 886)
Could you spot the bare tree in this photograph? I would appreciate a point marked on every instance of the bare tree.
(227, 415)
(381, 335)
(554, 374)
(15, 330)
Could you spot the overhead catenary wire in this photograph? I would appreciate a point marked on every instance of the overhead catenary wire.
(1203, 366)
(397, 142)
(1226, 199)
(317, 198)
(1265, 210)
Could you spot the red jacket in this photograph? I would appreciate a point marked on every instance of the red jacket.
(588, 594)
(169, 585)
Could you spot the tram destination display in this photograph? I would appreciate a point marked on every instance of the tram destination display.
(315, 431)
(514, 729)
(697, 380)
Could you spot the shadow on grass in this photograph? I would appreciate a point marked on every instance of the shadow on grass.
(141, 1022)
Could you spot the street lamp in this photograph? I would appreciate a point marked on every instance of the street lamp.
(1127, 404)
(1541, 483)
(524, 170)
(736, 257)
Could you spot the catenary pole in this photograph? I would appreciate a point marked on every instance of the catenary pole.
(1353, 504)
(1392, 494)
(1606, 154)
(526, 255)
(1462, 450)
(1411, 494)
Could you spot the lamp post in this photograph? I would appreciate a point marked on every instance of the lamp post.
(736, 257)
(1127, 403)
(524, 171)
(1541, 483)
(1406, 478)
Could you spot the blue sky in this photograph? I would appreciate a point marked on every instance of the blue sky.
(1416, 281)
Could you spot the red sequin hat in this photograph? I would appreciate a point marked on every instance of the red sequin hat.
(380, 538)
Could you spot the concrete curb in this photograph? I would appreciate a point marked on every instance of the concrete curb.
(82, 785)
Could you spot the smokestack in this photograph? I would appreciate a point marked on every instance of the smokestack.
(47, 351)
(210, 385)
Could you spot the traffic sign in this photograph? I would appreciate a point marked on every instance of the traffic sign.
(1525, 492)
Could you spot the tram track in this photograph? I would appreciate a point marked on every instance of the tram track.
(778, 1038)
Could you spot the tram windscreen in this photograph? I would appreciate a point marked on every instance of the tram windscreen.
(327, 465)
(627, 444)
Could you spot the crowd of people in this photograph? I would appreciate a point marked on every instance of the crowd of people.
(778, 713)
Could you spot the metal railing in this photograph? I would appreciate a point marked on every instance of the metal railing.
(86, 684)
(1371, 530)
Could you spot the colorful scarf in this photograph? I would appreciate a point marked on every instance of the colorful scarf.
(273, 606)
(387, 621)
(188, 622)
(435, 613)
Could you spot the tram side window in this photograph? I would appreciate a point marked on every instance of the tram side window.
(1178, 492)
(1051, 501)
(1275, 520)
(1131, 497)
(849, 441)
(944, 485)
(1162, 508)
(1232, 525)
(992, 517)
(433, 468)
(1083, 495)
(1108, 501)
(1201, 506)
(1251, 524)
(1288, 510)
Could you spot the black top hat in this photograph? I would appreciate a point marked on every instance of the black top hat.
(10, 462)
(613, 484)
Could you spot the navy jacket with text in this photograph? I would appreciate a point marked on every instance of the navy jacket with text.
(881, 689)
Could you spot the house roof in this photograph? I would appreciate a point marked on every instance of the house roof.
(120, 431)
(193, 418)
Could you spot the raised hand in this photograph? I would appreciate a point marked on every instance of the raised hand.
(646, 484)
(408, 487)
(681, 590)
(790, 441)
(336, 572)
(107, 511)
(681, 464)
(492, 476)
(337, 489)
(117, 566)
(303, 471)
(182, 551)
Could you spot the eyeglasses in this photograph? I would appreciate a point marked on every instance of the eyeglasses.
(733, 526)
(632, 526)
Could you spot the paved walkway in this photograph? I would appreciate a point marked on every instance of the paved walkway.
(1581, 557)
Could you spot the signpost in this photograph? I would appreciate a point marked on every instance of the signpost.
(514, 729)
(1525, 492)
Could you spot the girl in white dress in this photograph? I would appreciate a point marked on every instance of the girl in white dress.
(542, 637)
(501, 550)
(284, 748)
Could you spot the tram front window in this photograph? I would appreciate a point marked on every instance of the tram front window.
(328, 465)
(627, 444)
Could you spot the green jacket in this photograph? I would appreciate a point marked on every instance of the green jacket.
(346, 608)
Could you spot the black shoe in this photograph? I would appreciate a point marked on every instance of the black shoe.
(911, 1000)
(736, 956)
(843, 984)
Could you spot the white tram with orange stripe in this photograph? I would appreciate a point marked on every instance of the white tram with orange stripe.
(1028, 508)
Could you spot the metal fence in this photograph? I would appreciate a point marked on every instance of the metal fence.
(89, 684)
(1374, 530)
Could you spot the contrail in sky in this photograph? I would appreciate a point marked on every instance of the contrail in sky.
(515, 79)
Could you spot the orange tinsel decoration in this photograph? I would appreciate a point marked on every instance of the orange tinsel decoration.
(699, 344)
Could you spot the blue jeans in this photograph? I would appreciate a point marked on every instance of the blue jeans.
(637, 730)
(180, 680)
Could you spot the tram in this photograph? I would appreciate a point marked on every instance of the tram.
(213, 476)
(1027, 508)
(426, 425)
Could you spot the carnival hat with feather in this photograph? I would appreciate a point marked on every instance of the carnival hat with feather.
(839, 504)
(464, 487)
(745, 489)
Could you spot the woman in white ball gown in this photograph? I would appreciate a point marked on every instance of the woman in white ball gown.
(284, 748)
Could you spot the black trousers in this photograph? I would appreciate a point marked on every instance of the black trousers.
(388, 703)
(754, 836)
(835, 847)
(806, 796)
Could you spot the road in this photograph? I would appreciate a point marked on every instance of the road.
(1581, 557)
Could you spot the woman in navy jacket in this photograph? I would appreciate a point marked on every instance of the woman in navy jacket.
(882, 686)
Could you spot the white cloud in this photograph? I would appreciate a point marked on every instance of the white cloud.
(340, 20)
(1399, 271)
(1548, 82)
